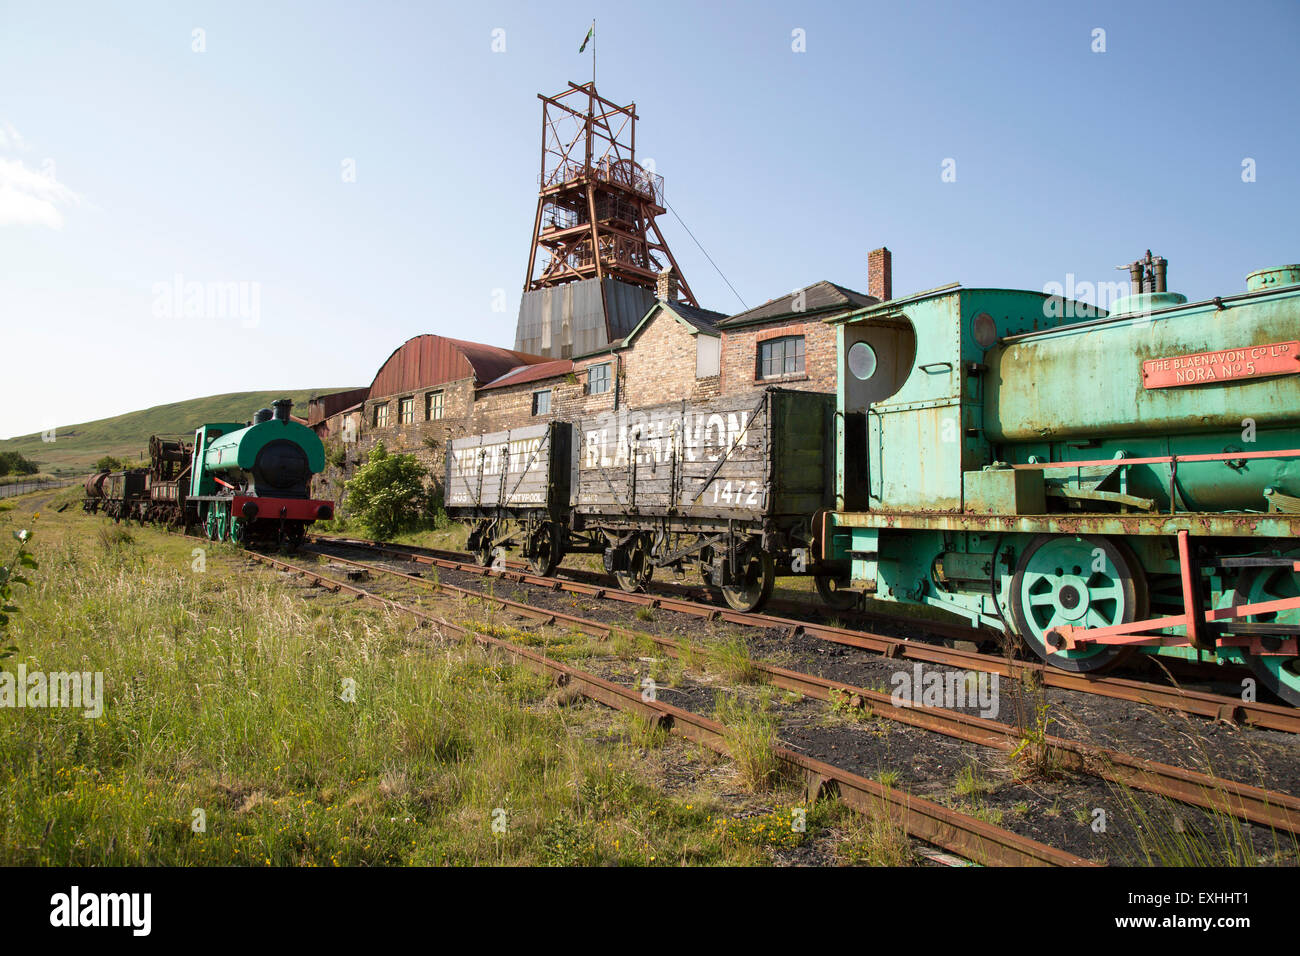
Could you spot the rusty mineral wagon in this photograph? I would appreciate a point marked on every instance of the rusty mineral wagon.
(513, 489)
(730, 488)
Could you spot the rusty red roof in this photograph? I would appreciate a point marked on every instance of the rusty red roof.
(435, 360)
(533, 373)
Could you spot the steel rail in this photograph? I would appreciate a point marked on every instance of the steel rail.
(1173, 698)
(931, 822)
(1274, 809)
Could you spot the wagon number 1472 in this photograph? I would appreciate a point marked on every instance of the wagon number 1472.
(733, 492)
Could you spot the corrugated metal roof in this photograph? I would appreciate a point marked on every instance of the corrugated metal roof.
(819, 297)
(532, 373)
(435, 359)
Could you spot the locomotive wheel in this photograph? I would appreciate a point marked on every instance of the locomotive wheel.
(835, 592)
(1056, 584)
(754, 586)
(1281, 675)
(639, 569)
(547, 558)
(293, 537)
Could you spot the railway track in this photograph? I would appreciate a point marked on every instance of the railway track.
(1273, 809)
(1172, 698)
(943, 827)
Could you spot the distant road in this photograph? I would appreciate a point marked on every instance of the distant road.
(23, 487)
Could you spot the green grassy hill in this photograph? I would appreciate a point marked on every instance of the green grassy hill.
(76, 448)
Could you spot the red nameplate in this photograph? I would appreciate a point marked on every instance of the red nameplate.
(1254, 361)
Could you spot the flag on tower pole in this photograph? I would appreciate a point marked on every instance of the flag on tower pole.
(585, 40)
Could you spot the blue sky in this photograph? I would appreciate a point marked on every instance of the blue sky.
(128, 159)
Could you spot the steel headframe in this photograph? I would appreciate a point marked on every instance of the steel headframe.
(596, 205)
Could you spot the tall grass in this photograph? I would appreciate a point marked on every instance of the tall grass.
(751, 738)
(227, 696)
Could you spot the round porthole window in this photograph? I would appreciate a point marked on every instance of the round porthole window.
(986, 330)
(862, 361)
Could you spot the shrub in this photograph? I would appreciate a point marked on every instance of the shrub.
(109, 463)
(387, 495)
(12, 463)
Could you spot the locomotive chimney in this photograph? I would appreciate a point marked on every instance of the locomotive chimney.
(261, 415)
(282, 406)
(1135, 276)
(880, 279)
(1148, 274)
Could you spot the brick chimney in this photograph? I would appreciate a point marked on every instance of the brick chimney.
(880, 278)
(666, 285)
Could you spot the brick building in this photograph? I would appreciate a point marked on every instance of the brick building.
(786, 341)
(421, 395)
(433, 388)
(671, 354)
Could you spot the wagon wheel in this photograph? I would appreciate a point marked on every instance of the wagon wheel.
(546, 556)
(483, 549)
(639, 569)
(750, 590)
(1279, 674)
(835, 592)
(1085, 581)
(705, 562)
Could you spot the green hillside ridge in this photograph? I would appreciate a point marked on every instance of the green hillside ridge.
(76, 448)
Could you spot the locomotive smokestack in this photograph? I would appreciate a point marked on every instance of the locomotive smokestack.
(1161, 267)
(282, 406)
(1135, 276)
(261, 415)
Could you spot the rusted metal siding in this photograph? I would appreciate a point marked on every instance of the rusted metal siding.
(570, 319)
(324, 406)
